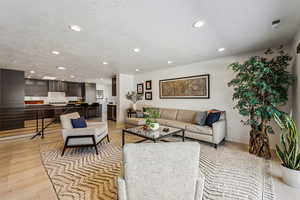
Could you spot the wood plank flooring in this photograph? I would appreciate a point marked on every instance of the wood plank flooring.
(22, 176)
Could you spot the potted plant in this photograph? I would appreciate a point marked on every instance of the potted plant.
(151, 118)
(288, 151)
(260, 85)
(134, 98)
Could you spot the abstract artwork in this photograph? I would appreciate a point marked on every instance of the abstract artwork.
(191, 87)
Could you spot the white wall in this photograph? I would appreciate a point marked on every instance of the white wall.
(124, 85)
(296, 71)
(221, 95)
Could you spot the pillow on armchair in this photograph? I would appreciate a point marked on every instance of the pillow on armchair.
(79, 123)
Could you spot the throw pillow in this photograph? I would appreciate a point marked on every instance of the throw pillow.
(139, 114)
(79, 123)
(200, 118)
(212, 118)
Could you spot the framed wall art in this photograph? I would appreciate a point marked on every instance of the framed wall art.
(140, 88)
(191, 87)
(148, 95)
(148, 85)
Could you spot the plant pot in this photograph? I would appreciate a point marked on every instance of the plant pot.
(154, 126)
(291, 177)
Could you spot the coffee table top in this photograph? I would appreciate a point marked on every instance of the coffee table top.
(157, 134)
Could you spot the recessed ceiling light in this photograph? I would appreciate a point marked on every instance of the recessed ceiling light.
(61, 68)
(49, 77)
(105, 63)
(221, 49)
(101, 79)
(72, 76)
(75, 28)
(32, 72)
(198, 24)
(55, 52)
(170, 62)
(136, 50)
(137, 70)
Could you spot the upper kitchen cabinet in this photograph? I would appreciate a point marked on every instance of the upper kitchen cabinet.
(74, 89)
(57, 86)
(35, 87)
(114, 87)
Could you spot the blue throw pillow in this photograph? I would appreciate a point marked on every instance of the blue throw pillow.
(212, 118)
(79, 123)
(139, 114)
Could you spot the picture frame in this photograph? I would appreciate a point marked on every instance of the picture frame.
(148, 95)
(189, 87)
(148, 85)
(140, 88)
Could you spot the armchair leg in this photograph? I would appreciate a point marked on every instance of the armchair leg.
(65, 145)
(62, 154)
(95, 145)
(107, 138)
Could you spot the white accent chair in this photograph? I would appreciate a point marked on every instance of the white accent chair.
(82, 137)
(162, 171)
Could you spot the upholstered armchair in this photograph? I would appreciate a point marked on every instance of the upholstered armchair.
(164, 171)
(94, 133)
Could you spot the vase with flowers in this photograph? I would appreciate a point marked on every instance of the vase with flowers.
(134, 98)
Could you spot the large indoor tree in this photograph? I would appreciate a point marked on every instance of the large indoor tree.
(260, 86)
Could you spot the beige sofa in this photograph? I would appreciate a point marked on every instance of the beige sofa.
(184, 119)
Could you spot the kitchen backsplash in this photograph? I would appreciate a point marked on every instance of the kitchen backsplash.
(53, 97)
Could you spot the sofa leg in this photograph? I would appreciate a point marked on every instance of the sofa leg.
(107, 138)
(216, 146)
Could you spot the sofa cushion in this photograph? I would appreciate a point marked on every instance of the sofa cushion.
(199, 129)
(185, 115)
(212, 118)
(200, 118)
(166, 113)
(177, 124)
(136, 121)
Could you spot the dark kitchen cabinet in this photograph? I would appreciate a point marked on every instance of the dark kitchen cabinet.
(89, 92)
(74, 89)
(11, 99)
(114, 87)
(111, 112)
(57, 86)
(35, 87)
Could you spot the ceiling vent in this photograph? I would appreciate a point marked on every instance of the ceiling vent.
(275, 23)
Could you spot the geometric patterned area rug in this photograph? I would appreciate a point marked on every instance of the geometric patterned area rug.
(82, 175)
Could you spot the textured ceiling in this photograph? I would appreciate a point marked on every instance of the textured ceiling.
(162, 29)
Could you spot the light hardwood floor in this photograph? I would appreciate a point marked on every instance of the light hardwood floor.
(22, 176)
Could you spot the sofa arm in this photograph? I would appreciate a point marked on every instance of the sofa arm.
(199, 186)
(219, 131)
(122, 194)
